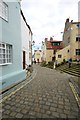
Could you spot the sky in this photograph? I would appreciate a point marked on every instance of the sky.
(47, 17)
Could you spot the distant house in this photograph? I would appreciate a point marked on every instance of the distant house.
(49, 49)
(38, 56)
(71, 42)
(26, 36)
(11, 44)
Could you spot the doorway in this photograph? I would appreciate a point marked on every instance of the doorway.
(24, 60)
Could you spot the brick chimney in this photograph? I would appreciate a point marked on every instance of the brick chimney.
(51, 39)
(46, 39)
(67, 20)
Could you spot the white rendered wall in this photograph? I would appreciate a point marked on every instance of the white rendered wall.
(25, 40)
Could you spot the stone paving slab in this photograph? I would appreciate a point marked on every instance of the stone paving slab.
(48, 95)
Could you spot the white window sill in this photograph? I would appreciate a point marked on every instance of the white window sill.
(5, 64)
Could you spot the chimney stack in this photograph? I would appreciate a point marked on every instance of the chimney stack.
(51, 39)
(46, 39)
(67, 20)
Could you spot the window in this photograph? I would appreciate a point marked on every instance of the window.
(78, 25)
(77, 51)
(68, 51)
(78, 39)
(55, 43)
(59, 56)
(5, 53)
(3, 10)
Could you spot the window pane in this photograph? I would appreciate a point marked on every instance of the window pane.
(0, 56)
(77, 38)
(55, 44)
(7, 51)
(0, 45)
(0, 61)
(4, 60)
(9, 60)
(77, 51)
(3, 50)
(7, 56)
(0, 50)
(3, 55)
(3, 45)
(59, 56)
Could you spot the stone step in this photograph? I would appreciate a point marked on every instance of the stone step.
(71, 70)
(74, 70)
(72, 73)
(75, 73)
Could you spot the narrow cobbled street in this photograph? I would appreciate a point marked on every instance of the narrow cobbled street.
(47, 95)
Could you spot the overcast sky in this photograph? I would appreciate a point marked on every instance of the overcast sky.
(47, 17)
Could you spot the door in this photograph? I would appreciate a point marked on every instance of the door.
(24, 60)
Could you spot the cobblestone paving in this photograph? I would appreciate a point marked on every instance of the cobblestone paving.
(48, 95)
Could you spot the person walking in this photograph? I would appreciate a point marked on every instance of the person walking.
(78, 60)
(70, 62)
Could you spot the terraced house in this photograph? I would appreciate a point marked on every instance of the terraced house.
(26, 36)
(71, 42)
(49, 49)
(11, 48)
(38, 56)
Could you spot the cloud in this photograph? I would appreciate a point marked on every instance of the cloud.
(47, 17)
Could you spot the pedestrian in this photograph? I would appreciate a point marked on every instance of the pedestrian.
(56, 62)
(38, 61)
(34, 61)
(78, 60)
(70, 61)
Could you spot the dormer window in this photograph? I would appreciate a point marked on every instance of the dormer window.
(55, 43)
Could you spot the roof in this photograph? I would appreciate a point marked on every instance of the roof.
(37, 50)
(25, 21)
(50, 46)
(75, 22)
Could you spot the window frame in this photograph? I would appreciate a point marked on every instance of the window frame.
(77, 51)
(4, 11)
(59, 56)
(5, 53)
(78, 39)
(55, 43)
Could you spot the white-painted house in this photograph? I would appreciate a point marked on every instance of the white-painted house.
(26, 35)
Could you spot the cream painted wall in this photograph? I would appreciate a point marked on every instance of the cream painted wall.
(43, 51)
(49, 55)
(73, 43)
(64, 53)
(38, 55)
